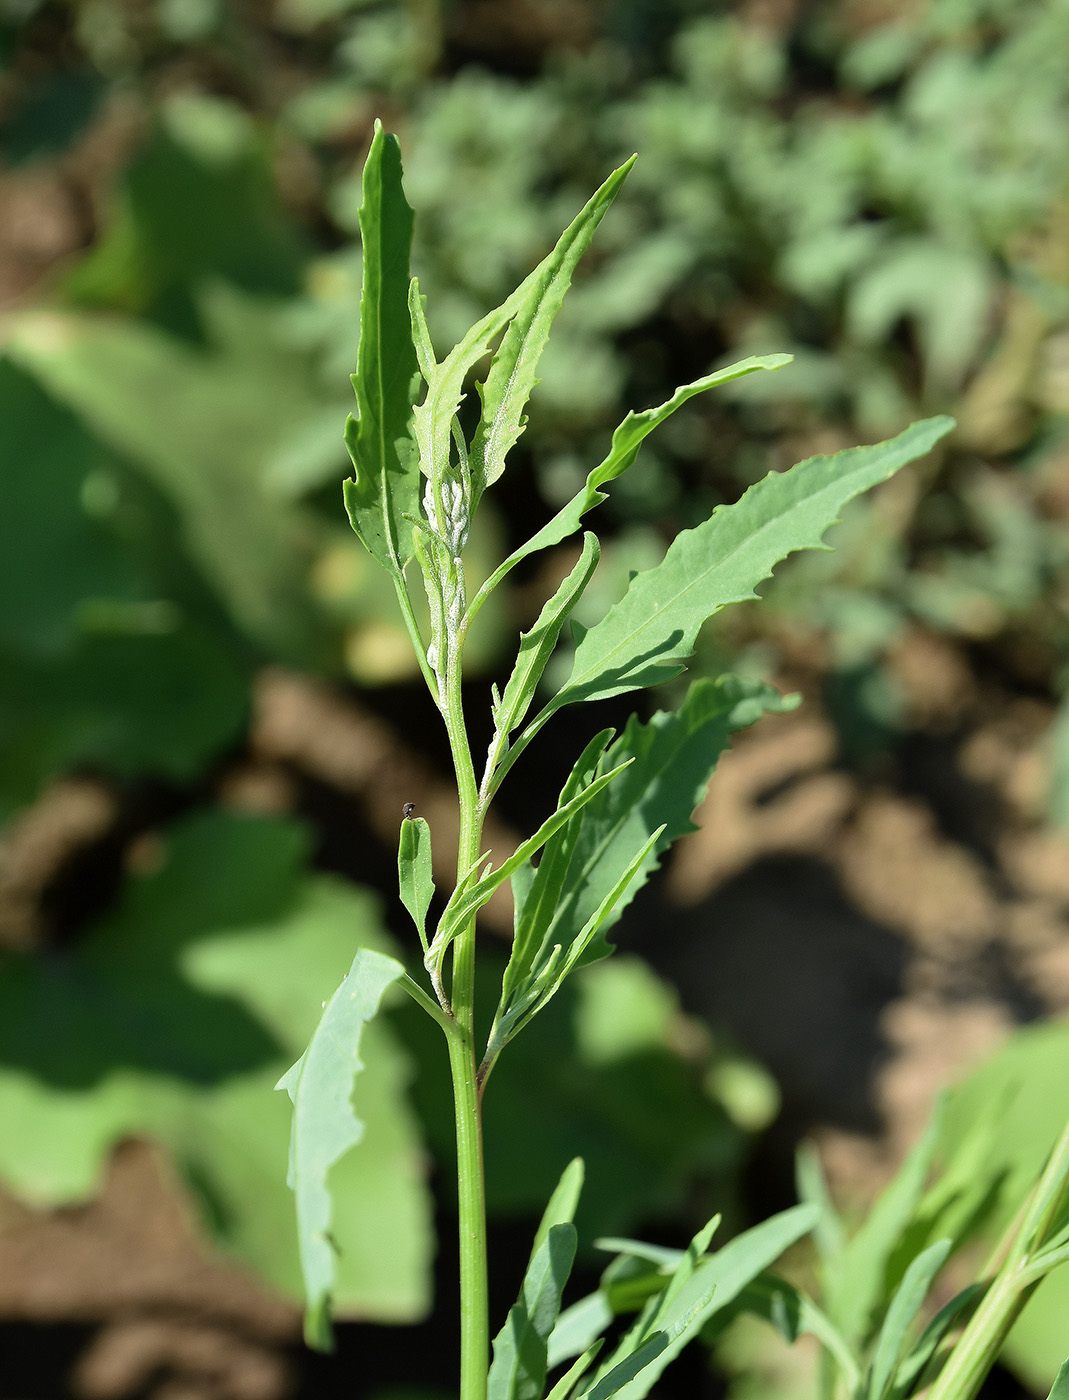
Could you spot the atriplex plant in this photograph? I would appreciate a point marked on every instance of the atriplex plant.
(419, 479)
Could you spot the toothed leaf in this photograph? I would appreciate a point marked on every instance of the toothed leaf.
(386, 484)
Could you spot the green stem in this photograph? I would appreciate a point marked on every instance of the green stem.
(471, 1199)
(978, 1347)
(412, 627)
(471, 1194)
(494, 778)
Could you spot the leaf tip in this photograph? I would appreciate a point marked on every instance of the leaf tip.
(318, 1333)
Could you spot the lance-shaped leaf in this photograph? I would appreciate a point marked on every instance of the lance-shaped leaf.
(512, 375)
(659, 1319)
(414, 875)
(626, 441)
(519, 1367)
(673, 757)
(633, 1365)
(544, 980)
(905, 1305)
(320, 1086)
(645, 637)
(793, 1314)
(386, 485)
(538, 895)
(912, 1370)
(528, 314)
(466, 899)
(717, 1280)
(563, 1203)
(518, 1370)
(575, 1372)
(536, 646)
(855, 1285)
(1060, 1389)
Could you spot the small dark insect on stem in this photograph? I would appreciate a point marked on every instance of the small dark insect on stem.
(407, 810)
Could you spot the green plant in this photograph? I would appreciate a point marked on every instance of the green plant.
(420, 472)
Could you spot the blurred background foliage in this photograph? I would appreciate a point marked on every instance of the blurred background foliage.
(879, 186)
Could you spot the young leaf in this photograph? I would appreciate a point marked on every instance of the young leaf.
(673, 757)
(644, 639)
(325, 1127)
(562, 1204)
(536, 646)
(414, 871)
(684, 1270)
(719, 1279)
(1060, 1389)
(466, 900)
(518, 1370)
(575, 1372)
(536, 902)
(914, 1366)
(905, 1305)
(632, 1366)
(386, 485)
(626, 441)
(579, 1326)
(546, 978)
(512, 375)
(793, 1314)
(855, 1286)
(434, 418)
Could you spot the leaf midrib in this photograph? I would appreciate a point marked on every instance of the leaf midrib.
(575, 681)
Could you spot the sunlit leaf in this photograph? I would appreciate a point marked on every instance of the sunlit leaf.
(512, 375)
(647, 635)
(387, 482)
(320, 1086)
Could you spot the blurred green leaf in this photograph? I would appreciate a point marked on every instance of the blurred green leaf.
(139, 704)
(901, 1314)
(174, 1016)
(100, 665)
(156, 255)
(211, 429)
(1029, 1076)
(855, 1280)
(55, 554)
(638, 1114)
(325, 1128)
(1058, 795)
(1060, 1389)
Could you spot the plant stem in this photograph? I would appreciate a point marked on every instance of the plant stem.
(471, 1193)
(979, 1345)
(471, 1199)
(412, 627)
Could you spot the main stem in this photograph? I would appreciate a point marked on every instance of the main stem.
(463, 1063)
(471, 1199)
